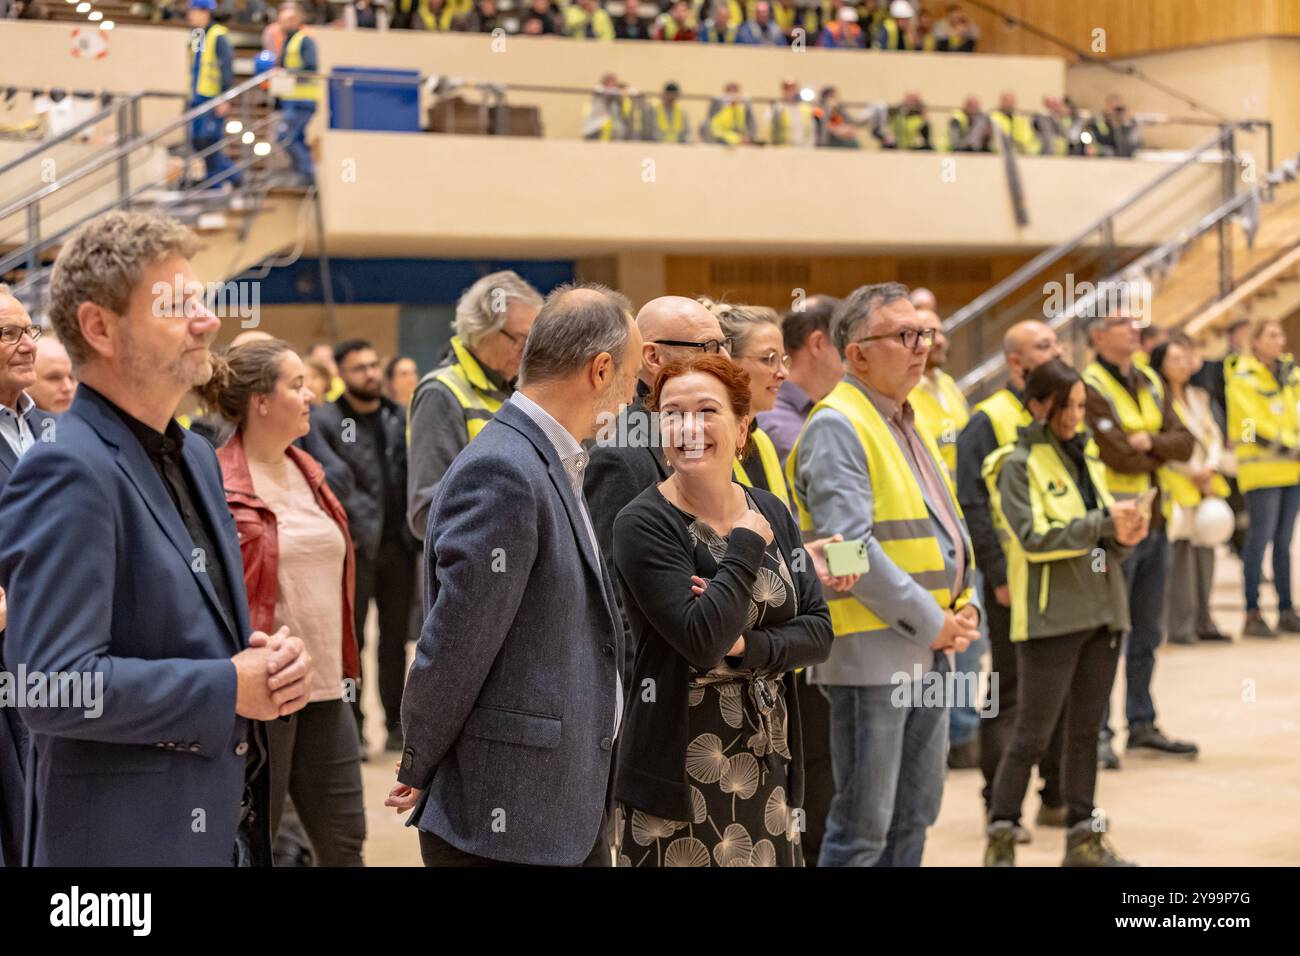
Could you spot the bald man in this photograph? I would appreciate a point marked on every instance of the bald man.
(995, 422)
(923, 298)
(55, 384)
(627, 458)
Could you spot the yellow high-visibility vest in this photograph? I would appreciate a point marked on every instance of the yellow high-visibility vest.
(1141, 415)
(1006, 413)
(1056, 501)
(941, 412)
(672, 126)
(771, 462)
(305, 89)
(1019, 129)
(1181, 488)
(728, 124)
(901, 521)
(782, 135)
(469, 385)
(208, 81)
(1263, 410)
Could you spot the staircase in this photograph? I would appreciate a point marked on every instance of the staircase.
(62, 182)
(1241, 254)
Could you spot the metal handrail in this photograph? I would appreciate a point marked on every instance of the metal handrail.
(997, 362)
(116, 153)
(117, 103)
(1001, 290)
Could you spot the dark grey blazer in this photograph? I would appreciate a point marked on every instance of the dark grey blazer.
(13, 733)
(508, 713)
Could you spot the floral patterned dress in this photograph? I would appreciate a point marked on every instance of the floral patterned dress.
(738, 758)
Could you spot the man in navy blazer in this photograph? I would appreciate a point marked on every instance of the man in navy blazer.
(122, 568)
(514, 699)
(22, 424)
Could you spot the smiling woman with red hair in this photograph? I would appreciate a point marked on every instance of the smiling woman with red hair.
(724, 607)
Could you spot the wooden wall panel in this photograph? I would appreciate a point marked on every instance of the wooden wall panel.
(1133, 26)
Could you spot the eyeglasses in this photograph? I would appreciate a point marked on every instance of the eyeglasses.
(10, 334)
(773, 360)
(909, 337)
(711, 347)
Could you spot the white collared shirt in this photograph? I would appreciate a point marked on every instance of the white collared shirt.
(13, 425)
(574, 458)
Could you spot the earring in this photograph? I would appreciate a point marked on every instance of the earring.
(261, 409)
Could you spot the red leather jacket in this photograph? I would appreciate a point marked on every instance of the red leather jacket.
(260, 547)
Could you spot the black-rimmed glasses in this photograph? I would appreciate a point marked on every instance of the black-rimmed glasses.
(711, 347)
(10, 334)
(909, 337)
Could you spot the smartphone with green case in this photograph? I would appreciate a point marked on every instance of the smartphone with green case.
(846, 557)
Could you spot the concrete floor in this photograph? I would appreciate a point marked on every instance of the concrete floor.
(1233, 806)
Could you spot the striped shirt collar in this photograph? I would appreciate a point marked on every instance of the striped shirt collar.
(566, 446)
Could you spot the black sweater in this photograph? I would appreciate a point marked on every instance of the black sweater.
(676, 631)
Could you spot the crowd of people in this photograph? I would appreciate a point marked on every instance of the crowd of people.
(831, 24)
(688, 576)
(799, 116)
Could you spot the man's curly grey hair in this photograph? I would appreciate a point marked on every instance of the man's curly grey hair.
(102, 263)
(482, 308)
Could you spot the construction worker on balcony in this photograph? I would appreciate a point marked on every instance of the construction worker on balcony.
(731, 118)
(907, 127)
(794, 120)
(587, 20)
(969, 129)
(212, 73)
(1137, 431)
(1263, 389)
(895, 30)
(995, 423)
(298, 105)
(1018, 127)
(667, 122)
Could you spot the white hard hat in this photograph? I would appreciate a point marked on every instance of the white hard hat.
(1214, 523)
(901, 10)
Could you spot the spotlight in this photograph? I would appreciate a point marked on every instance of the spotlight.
(248, 136)
(83, 7)
(234, 127)
(107, 25)
(262, 149)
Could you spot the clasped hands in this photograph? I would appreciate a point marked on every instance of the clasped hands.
(273, 676)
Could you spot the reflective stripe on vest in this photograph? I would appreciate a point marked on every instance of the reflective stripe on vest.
(465, 380)
(1140, 415)
(941, 412)
(771, 462)
(901, 522)
(1055, 501)
(670, 130)
(1262, 413)
(208, 81)
(303, 89)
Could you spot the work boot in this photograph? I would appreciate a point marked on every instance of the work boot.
(1180, 639)
(1214, 634)
(1086, 847)
(1107, 759)
(1288, 621)
(1001, 848)
(1049, 816)
(1256, 626)
(1022, 835)
(1149, 737)
(964, 756)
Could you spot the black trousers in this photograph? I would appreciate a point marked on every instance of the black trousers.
(818, 774)
(316, 759)
(435, 851)
(389, 580)
(996, 732)
(1067, 678)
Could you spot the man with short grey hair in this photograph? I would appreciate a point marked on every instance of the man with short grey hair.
(862, 469)
(453, 402)
(513, 703)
